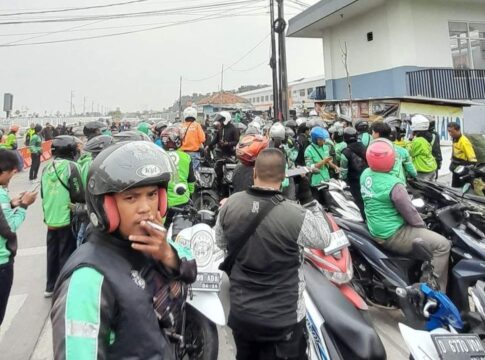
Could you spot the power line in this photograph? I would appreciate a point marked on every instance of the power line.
(265, 62)
(206, 17)
(73, 9)
(181, 10)
(234, 63)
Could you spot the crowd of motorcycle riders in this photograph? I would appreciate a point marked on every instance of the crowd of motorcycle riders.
(105, 192)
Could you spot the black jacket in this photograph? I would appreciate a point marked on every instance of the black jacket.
(355, 154)
(266, 279)
(124, 303)
(229, 135)
(242, 179)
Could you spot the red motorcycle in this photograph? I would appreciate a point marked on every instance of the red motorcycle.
(336, 264)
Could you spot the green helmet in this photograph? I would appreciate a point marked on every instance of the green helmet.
(144, 127)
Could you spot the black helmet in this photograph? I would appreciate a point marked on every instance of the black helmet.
(38, 128)
(350, 135)
(65, 147)
(98, 144)
(160, 126)
(131, 135)
(362, 126)
(94, 128)
(338, 135)
(120, 167)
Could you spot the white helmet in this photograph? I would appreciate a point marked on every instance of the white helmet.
(255, 125)
(225, 116)
(277, 131)
(419, 123)
(257, 119)
(190, 113)
(313, 113)
(300, 121)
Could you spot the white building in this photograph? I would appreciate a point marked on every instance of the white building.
(399, 47)
(302, 94)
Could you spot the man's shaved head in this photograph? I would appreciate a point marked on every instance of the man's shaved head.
(270, 166)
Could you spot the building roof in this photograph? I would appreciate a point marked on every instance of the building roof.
(417, 99)
(313, 21)
(223, 98)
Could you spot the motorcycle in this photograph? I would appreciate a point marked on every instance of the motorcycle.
(474, 177)
(442, 339)
(335, 263)
(336, 329)
(198, 338)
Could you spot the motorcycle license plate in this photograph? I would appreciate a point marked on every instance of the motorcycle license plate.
(338, 241)
(206, 170)
(208, 281)
(458, 346)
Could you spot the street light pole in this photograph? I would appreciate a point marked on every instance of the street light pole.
(272, 63)
(280, 28)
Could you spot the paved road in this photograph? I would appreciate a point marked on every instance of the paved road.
(25, 333)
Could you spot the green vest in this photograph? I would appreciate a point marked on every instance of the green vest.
(383, 219)
(84, 163)
(313, 155)
(422, 155)
(339, 147)
(10, 142)
(183, 162)
(365, 138)
(55, 197)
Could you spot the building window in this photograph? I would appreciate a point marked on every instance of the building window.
(467, 41)
(309, 91)
(302, 93)
(266, 98)
(271, 97)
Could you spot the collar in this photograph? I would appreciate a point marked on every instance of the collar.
(254, 190)
(458, 138)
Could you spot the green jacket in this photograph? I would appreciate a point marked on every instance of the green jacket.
(383, 219)
(365, 138)
(84, 162)
(10, 142)
(339, 147)
(61, 185)
(403, 167)
(421, 153)
(185, 176)
(15, 217)
(313, 155)
(291, 153)
(35, 144)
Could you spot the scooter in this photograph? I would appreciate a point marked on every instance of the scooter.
(204, 310)
(335, 263)
(474, 176)
(442, 339)
(336, 329)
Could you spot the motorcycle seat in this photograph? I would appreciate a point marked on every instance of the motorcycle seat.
(342, 318)
(359, 228)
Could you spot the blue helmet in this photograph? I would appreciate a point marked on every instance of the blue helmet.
(319, 133)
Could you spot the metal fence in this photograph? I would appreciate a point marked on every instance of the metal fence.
(447, 83)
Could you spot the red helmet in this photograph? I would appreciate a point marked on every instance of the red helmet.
(381, 155)
(249, 148)
(171, 138)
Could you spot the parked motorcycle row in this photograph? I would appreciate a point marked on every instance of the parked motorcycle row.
(353, 273)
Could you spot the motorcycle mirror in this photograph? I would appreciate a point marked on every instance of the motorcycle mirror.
(466, 187)
(459, 170)
(180, 189)
(418, 203)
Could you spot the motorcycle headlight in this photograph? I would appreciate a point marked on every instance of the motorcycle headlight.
(202, 247)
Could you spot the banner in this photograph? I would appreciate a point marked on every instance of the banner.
(443, 115)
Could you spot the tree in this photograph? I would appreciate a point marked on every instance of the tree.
(345, 62)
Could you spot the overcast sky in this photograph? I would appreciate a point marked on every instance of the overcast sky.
(138, 71)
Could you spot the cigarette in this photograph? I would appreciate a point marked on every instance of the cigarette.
(156, 227)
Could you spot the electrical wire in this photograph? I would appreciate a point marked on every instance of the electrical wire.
(74, 9)
(234, 63)
(223, 14)
(265, 62)
(181, 10)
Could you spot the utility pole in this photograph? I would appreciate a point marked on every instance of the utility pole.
(280, 28)
(70, 107)
(222, 79)
(180, 100)
(272, 63)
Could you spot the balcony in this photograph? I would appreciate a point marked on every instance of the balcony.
(450, 84)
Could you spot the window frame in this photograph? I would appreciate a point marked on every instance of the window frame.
(469, 40)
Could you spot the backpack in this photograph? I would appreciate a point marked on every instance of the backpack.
(357, 164)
